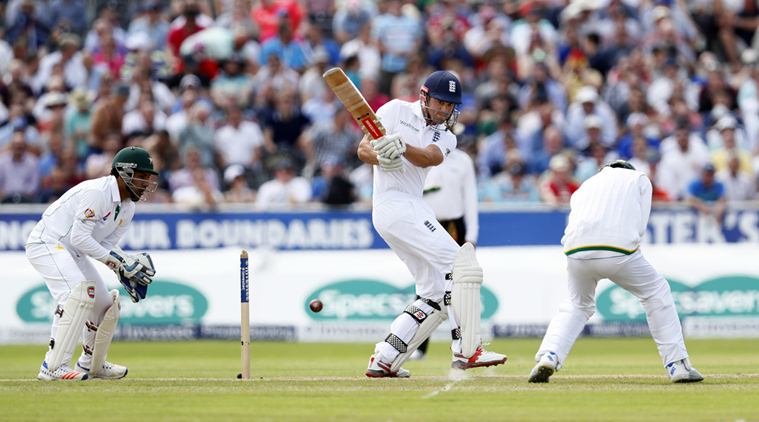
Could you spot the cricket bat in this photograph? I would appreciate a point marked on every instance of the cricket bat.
(354, 102)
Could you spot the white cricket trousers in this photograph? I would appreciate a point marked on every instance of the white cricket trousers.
(410, 228)
(62, 271)
(634, 274)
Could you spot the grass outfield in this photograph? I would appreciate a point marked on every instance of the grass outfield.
(604, 379)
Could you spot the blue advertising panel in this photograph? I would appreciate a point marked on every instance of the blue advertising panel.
(351, 230)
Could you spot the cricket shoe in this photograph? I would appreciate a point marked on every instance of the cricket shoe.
(379, 369)
(546, 366)
(480, 358)
(680, 371)
(109, 371)
(63, 373)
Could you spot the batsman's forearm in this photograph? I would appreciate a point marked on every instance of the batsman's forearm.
(366, 153)
(423, 157)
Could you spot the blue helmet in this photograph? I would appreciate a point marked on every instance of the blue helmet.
(444, 86)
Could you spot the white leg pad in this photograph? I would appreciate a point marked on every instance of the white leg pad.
(104, 335)
(76, 311)
(425, 330)
(465, 298)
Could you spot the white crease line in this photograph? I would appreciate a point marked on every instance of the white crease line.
(446, 387)
(455, 375)
(518, 377)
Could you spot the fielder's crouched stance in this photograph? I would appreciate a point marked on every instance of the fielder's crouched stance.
(607, 220)
(87, 222)
(448, 278)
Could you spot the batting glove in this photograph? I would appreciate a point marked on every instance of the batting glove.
(389, 146)
(390, 164)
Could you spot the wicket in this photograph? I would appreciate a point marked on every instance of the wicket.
(244, 315)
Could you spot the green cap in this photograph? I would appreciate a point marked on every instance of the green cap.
(135, 159)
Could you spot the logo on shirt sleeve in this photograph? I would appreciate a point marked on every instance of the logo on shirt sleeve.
(89, 213)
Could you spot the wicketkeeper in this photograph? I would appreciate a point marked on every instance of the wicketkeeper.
(87, 222)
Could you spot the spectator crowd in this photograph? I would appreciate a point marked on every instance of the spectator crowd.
(227, 95)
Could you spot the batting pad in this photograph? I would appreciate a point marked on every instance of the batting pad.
(426, 328)
(104, 335)
(76, 310)
(465, 297)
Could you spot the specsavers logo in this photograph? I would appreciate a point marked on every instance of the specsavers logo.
(365, 299)
(168, 302)
(726, 296)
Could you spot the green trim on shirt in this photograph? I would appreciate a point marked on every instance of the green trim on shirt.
(431, 190)
(600, 248)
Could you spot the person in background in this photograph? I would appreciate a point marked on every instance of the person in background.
(78, 121)
(108, 117)
(511, 186)
(707, 195)
(333, 187)
(238, 190)
(285, 190)
(200, 194)
(739, 186)
(558, 185)
(19, 174)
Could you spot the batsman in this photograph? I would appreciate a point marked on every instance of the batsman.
(87, 223)
(448, 277)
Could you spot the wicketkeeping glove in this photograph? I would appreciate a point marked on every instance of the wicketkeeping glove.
(145, 276)
(121, 262)
(135, 289)
(389, 146)
(137, 285)
(135, 272)
(390, 164)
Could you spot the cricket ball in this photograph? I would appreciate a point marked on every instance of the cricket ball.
(316, 305)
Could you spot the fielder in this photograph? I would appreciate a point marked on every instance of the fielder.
(87, 222)
(607, 220)
(448, 278)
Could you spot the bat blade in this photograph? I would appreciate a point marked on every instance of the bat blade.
(354, 102)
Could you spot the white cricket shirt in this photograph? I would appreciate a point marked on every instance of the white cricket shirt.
(608, 214)
(451, 191)
(406, 119)
(88, 219)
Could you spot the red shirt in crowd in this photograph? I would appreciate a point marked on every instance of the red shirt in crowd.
(177, 35)
(268, 13)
